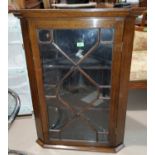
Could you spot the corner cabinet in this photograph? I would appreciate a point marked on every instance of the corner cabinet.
(78, 63)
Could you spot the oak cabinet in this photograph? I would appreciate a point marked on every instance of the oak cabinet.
(78, 63)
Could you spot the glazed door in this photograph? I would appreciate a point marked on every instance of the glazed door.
(80, 64)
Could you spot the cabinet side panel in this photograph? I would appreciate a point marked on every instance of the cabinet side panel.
(115, 79)
(31, 74)
(124, 77)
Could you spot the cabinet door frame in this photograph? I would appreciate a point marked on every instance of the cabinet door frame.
(75, 23)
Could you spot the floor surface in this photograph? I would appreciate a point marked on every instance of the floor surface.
(22, 134)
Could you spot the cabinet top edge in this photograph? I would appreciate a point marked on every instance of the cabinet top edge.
(66, 13)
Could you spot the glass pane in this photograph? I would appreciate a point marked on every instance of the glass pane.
(76, 67)
(98, 64)
(75, 43)
(59, 115)
(107, 34)
(76, 88)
